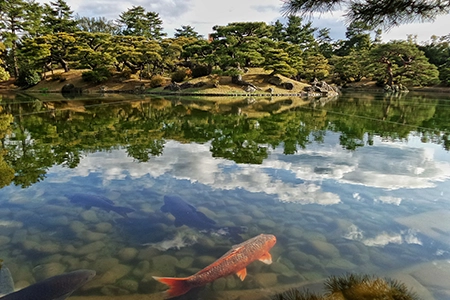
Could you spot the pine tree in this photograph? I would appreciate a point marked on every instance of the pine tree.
(12, 24)
(96, 25)
(298, 34)
(324, 42)
(137, 22)
(278, 32)
(277, 60)
(316, 66)
(238, 44)
(402, 62)
(358, 38)
(187, 31)
(58, 17)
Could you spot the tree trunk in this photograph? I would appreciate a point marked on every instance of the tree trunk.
(134, 69)
(14, 58)
(390, 74)
(64, 64)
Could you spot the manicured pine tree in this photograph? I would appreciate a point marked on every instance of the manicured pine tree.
(316, 66)
(58, 17)
(277, 60)
(402, 62)
(187, 31)
(137, 22)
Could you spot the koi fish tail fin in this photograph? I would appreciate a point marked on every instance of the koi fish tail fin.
(177, 286)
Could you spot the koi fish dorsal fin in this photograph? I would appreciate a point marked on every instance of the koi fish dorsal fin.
(242, 274)
(266, 258)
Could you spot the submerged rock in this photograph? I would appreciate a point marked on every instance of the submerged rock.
(112, 290)
(185, 262)
(104, 264)
(266, 279)
(89, 216)
(219, 284)
(142, 268)
(127, 254)
(165, 265)
(128, 284)
(324, 248)
(77, 227)
(91, 248)
(280, 268)
(4, 240)
(113, 274)
(91, 236)
(103, 227)
(267, 224)
(58, 221)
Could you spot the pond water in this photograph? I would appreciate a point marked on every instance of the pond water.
(358, 184)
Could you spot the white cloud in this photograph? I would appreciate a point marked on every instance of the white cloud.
(424, 31)
(203, 15)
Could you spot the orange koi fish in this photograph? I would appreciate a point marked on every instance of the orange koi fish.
(234, 261)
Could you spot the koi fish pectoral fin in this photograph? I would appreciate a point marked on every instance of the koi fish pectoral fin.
(242, 274)
(266, 258)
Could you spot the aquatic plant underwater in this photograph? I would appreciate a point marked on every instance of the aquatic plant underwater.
(354, 287)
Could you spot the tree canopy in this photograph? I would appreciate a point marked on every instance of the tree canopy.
(39, 38)
(379, 13)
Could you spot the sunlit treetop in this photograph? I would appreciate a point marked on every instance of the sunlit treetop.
(375, 13)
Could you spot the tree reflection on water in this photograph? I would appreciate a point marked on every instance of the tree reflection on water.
(48, 132)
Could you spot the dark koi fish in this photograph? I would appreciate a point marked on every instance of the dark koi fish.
(186, 214)
(88, 201)
(54, 288)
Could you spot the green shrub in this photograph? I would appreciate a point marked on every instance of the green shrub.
(232, 72)
(145, 74)
(157, 81)
(217, 72)
(200, 71)
(125, 74)
(28, 78)
(96, 76)
(4, 75)
(444, 73)
(179, 76)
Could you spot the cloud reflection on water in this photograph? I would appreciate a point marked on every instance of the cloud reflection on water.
(384, 165)
(382, 239)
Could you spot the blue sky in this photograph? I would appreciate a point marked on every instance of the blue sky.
(204, 14)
